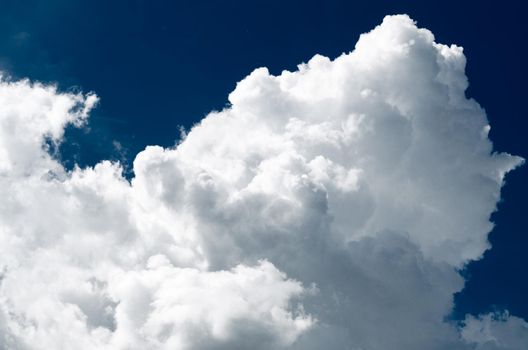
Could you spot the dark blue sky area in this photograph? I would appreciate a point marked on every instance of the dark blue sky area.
(160, 64)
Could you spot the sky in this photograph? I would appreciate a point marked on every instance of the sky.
(159, 67)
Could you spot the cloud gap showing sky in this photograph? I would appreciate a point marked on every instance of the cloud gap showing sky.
(332, 206)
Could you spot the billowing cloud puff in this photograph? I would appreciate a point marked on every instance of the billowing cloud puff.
(498, 330)
(330, 207)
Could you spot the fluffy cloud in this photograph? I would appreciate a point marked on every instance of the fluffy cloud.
(496, 331)
(327, 207)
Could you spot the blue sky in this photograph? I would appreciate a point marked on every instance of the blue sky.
(159, 65)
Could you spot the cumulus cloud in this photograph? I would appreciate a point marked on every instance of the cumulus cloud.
(327, 207)
(496, 331)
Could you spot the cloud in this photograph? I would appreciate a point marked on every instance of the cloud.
(496, 331)
(327, 207)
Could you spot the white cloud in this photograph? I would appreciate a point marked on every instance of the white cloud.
(496, 331)
(327, 207)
